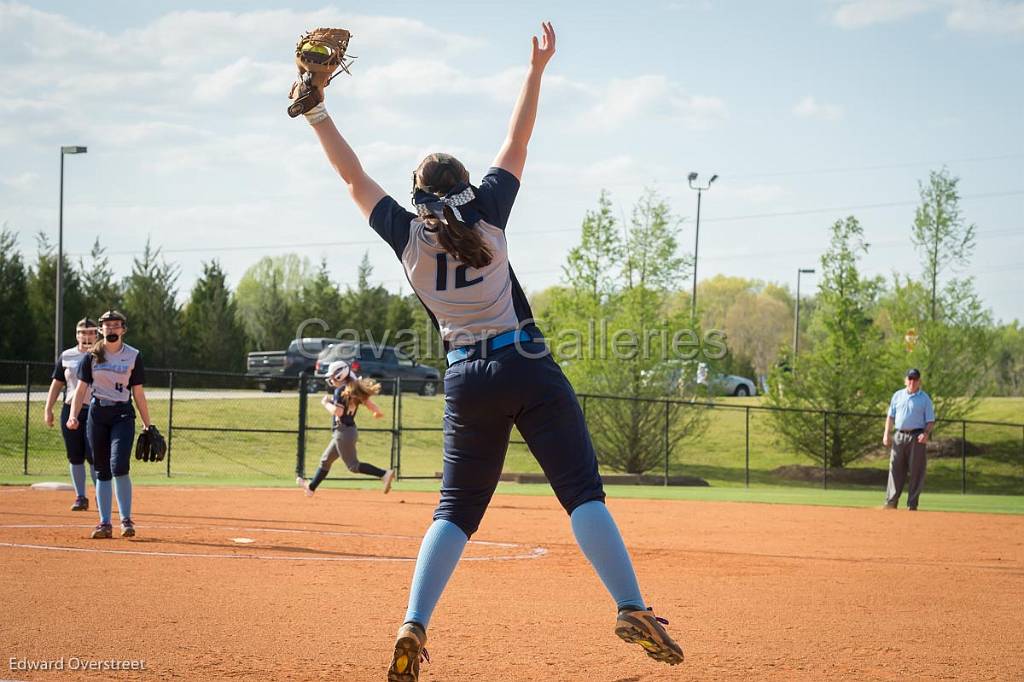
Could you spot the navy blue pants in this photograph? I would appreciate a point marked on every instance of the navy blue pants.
(483, 399)
(111, 432)
(76, 443)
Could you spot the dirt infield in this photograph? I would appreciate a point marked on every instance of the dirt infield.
(753, 591)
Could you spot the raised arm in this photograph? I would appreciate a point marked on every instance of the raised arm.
(512, 156)
(364, 190)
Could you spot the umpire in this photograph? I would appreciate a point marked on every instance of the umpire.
(912, 413)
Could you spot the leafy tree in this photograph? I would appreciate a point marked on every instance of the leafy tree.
(756, 326)
(611, 327)
(848, 370)
(213, 335)
(154, 319)
(19, 341)
(321, 300)
(266, 296)
(42, 288)
(940, 232)
(101, 290)
(1008, 360)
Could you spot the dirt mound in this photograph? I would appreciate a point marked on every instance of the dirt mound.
(802, 472)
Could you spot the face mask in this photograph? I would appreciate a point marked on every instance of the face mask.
(111, 338)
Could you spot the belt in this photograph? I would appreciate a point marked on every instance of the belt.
(108, 403)
(494, 343)
(910, 430)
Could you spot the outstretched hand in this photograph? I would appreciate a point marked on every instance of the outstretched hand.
(544, 48)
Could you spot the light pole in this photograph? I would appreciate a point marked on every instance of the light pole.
(796, 324)
(59, 316)
(696, 239)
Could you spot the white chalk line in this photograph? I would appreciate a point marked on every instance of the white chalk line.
(534, 553)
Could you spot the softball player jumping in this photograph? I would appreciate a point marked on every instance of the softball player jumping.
(65, 375)
(500, 372)
(350, 392)
(114, 372)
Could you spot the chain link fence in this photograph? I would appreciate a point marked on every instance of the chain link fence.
(221, 427)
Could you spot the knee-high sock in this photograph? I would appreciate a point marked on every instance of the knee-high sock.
(78, 479)
(104, 499)
(318, 477)
(123, 490)
(439, 555)
(599, 538)
(370, 470)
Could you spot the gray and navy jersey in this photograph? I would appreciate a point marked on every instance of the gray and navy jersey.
(66, 370)
(113, 378)
(466, 304)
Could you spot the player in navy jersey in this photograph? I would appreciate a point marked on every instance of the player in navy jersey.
(350, 391)
(113, 373)
(500, 372)
(65, 376)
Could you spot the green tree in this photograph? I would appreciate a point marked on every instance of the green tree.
(154, 319)
(101, 290)
(364, 308)
(213, 335)
(42, 288)
(266, 296)
(320, 300)
(848, 369)
(1008, 360)
(20, 344)
(940, 232)
(611, 328)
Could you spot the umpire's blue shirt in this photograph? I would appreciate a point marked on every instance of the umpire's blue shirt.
(911, 410)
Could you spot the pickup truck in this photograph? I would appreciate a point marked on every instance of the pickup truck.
(385, 364)
(275, 369)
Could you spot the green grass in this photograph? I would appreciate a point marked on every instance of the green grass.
(219, 457)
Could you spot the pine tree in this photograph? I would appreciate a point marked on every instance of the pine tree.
(19, 341)
(154, 319)
(213, 336)
(42, 288)
(101, 290)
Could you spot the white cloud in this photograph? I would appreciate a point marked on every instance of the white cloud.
(861, 13)
(975, 16)
(22, 182)
(625, 101)
(809, 107)
(987, 16)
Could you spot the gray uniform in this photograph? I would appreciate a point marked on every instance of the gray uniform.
(910, 412)
(67, 367)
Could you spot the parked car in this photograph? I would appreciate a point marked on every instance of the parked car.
(276, 369)
(382, 363)
(730, 384)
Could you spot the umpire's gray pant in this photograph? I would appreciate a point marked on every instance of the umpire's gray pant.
(906, 455)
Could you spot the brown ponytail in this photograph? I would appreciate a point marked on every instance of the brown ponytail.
(360, 390)
(99, 350)
(438, 174)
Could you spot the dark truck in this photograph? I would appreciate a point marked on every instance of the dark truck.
(383, 363)
(276, 369)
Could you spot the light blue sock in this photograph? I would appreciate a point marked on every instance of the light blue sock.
(439, 555)
(104, 499)
(599, 538)
(123, 490)
(78, 478)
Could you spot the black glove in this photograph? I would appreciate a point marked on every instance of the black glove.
(150, 446)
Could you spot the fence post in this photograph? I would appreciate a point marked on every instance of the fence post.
(300, 452)
(666, 443)
(396, 436)
(28, 401)
(824, 460)
(963, 458)
(170, 419)
(746, 466)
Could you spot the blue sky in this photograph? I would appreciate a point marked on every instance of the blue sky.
(808, 111)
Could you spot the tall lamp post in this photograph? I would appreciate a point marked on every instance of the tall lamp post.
(696, 239)
(59, 316)
(796, 323)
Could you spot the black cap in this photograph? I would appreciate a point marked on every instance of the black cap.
(913, 373)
